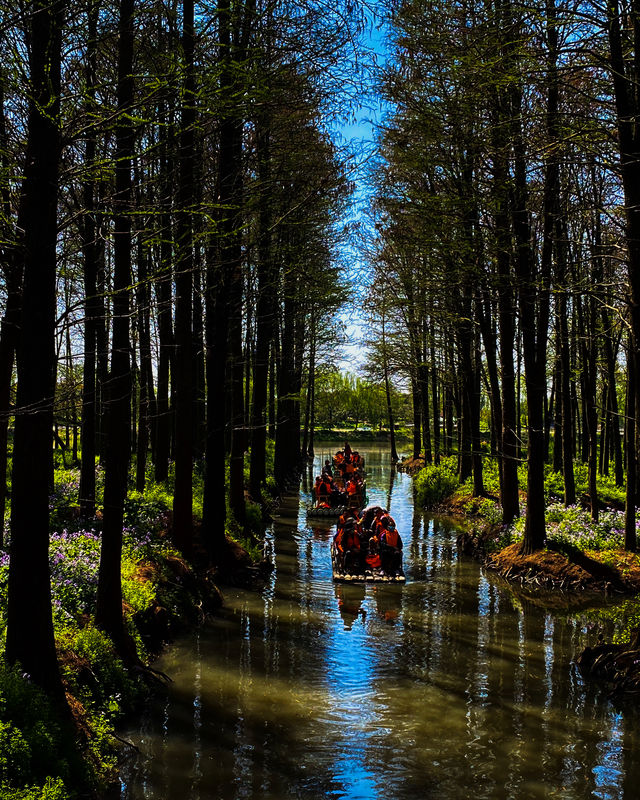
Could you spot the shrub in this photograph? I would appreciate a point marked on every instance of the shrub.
(434, 483)
(33, 746)
(53, 789)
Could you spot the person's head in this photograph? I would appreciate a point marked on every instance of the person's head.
(391, 525)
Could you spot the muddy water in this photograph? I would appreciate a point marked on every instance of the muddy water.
(444, 688)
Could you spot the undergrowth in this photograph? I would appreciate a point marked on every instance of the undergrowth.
(38, 757)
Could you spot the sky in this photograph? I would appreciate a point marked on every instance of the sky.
(360, 136)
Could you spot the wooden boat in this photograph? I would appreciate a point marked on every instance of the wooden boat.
(337, 511)
(317, 511)
(368, 576)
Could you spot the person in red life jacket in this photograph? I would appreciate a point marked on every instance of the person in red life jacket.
(350, 513)
(324, 492)
(381, 521)
(338, 495)
(316, 488)
(339, 458)
(368, 518)
(372, 559)
(354, 493)
(348, 549)
(390, 547)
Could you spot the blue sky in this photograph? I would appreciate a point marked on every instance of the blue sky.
(359, 133)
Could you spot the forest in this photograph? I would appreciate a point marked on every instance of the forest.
(178, 217)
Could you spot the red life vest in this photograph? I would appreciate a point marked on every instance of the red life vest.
(350, 540)
(391, 538)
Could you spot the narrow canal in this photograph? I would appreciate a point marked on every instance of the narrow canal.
(444, 688)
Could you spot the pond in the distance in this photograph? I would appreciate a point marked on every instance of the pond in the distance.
(444, 688)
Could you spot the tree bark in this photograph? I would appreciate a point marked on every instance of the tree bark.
(183, 491)
(109, 596)
(264, 316)
(30, 639)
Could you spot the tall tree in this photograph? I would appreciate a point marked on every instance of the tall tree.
(109, 596)
(183, 493)
(30, 639)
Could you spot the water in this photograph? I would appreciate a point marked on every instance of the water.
(445, 688)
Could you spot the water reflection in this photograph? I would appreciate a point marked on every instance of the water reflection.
(350, 599)
(441, 688)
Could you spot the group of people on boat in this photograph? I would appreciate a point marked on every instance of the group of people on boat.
(346, 490)
(348, 462)
(368, 543)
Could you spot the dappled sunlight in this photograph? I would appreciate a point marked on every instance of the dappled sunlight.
(313, 689)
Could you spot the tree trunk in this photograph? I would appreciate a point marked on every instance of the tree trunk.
(534, 287)
(265, 318)
(90, 262)
(109, 596)
(9, 329)
(631, 458)
(387, 390)
(199, 380)
(183, 491)
(147, 400)
(30, 639)
(417, 439)
(163, 291)
(435, 404)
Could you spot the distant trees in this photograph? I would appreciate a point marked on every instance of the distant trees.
(342, 398)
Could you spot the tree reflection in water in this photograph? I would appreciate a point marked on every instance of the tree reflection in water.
(446, 687)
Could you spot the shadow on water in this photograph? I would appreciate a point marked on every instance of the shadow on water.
(444, 688)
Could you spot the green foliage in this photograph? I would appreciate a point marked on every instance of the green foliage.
(608, 492)
(103, 682)
(571, 529)
(33, 746)
(434, 483)
(136, 593)
(490, 476)
(53, 789)
(489, 510)
(624, 615)
(15, 753)
(254, 517)
(344, 399)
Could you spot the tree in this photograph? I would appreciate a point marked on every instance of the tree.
(30, 639)
(109, 597)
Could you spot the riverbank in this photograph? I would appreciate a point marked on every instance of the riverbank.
(44, 757)
(567, 571)
(583, 565)
(359, 435)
